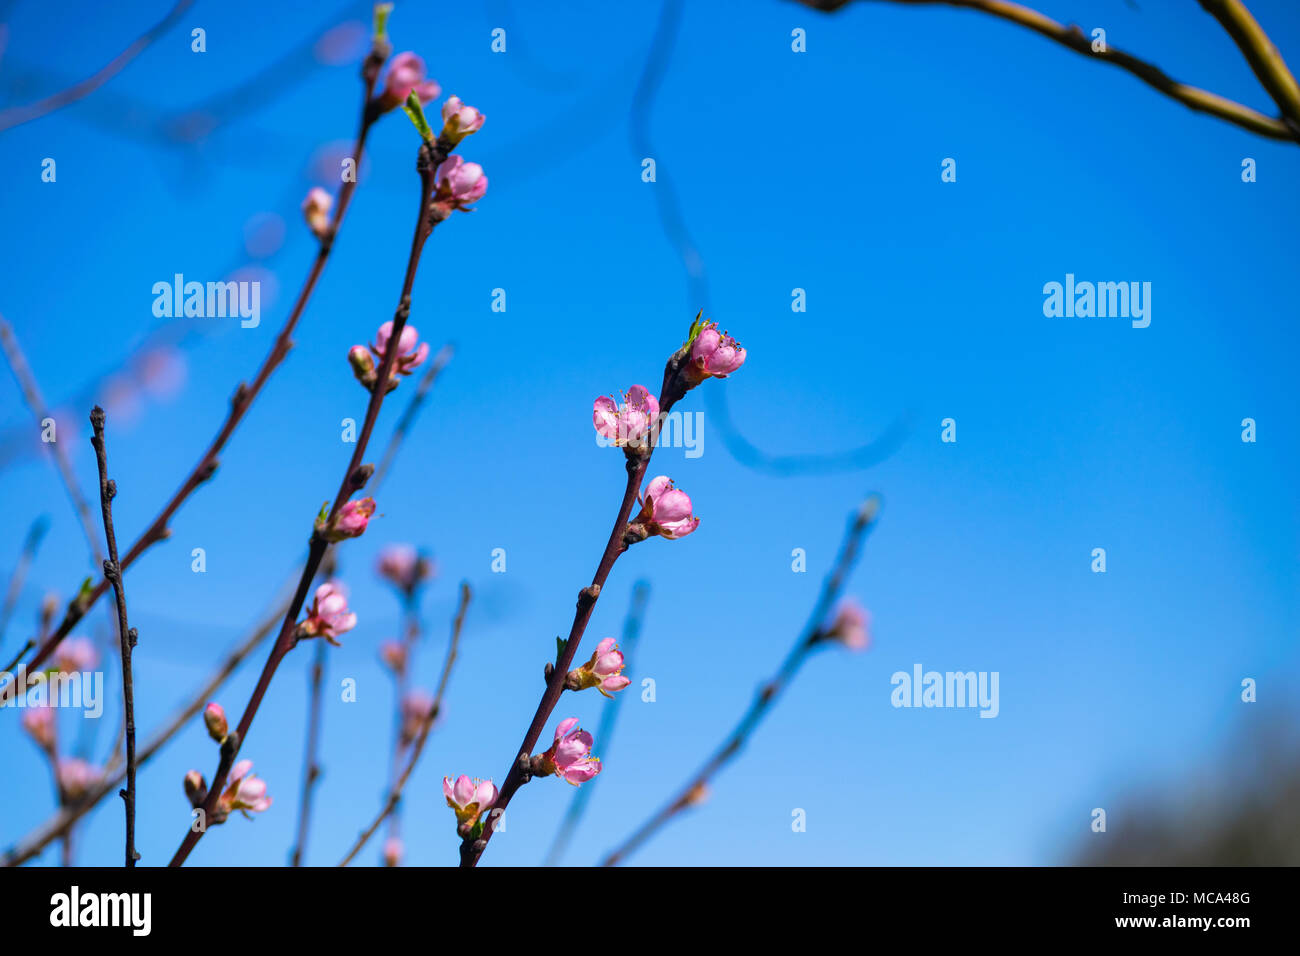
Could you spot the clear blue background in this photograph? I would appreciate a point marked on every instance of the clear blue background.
(818, 171)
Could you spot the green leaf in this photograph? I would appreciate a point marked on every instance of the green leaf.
(416, 112)
(382, 10)
(559, 649)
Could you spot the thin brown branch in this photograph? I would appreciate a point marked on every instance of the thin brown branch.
(311, 767)
(127, 635)
(395, 792)
(608, 718)
(244, 395)
(32, 395)
(859, 525)
(17, 115)
(672, 390)
(354, 479)
(1073, 38)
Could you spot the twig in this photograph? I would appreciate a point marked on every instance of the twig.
(31, 544)
(1264, 58)
(311, 768)
(62, 821)
(859, 525)
(127, 635)
(1073, 38)
(431, 155)
(244, 395)
(17, 115)
(638, 460)
(395, 792)
(32, 395)
(608, 718)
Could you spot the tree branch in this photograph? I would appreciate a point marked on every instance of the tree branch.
(860, 524)
(127, 635)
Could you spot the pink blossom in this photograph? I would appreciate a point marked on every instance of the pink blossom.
(405, 567)
(406, 74)
(393, 654)
(570, 756)
(411, 352)
(244, 791)
(469, 798)
(459, 120)
(39, 724)
(666, 511)
(459, 184)
(316, 210)
(350, 522)
(604, 670)
(75, 654)
(627, 423)
(329, 616)
(393, 850)
(76, 777)
(714, 354)
(214, 718)
(852, 626)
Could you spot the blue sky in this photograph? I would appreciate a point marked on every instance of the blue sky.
(816, 170)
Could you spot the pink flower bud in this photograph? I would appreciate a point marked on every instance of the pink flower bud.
(214, 718)
(570, 756)
(405, 567)
(411, 352)
(416, 708)
(393, 654)
(459, 184)
(39, 724)
(406, 74)
(75, 654)
(76, 778)
(628, 423)
(714, 354)
(851, 626)
(196, 788)
(666, 511)
(459, 120)
(393, 850)
(603, 671)
(329, 616)
(469, 798)
(316, 210)
(350, 522)
(244, 791)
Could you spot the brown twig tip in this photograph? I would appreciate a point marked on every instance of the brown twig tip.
(127, 635)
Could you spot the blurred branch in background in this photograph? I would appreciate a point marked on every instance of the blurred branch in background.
(673, 222)
(32, 394)
(1241, 809)
(31, 544)
(816, 634)
(1232, 14)
(395, 792)
(17, 115)
(608, 719)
